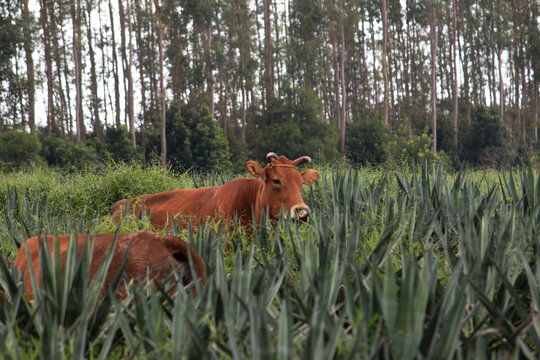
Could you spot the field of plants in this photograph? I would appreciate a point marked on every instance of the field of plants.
(393, 264)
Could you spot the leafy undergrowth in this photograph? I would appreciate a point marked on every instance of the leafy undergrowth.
(392, 264)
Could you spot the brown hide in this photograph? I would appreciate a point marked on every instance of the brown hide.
(149, 254)
(277, 184)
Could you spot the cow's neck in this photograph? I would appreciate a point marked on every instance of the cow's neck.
(256, 199)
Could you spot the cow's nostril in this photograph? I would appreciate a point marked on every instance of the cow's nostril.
(302, 214)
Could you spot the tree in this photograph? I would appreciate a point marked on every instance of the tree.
(93, 77)
(433, 41)
(162, 88)
(385, 61)
(454, 69)
(268, 51)
(30, 82)
(342, 73)
(48, 66)
(75, 15)
(130, 98)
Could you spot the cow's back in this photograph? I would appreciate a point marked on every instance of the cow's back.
(235, 198)
(149, 254)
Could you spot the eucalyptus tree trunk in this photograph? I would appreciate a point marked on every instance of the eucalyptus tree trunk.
(373, 47)
(454, 55)
(501, 84)
(130, 101)
(336, 77)
(343, 85)
(30, 80)
(268, 49)
(162, 88)
(75, 14)
(48, 67)
(433, 41)
(98, 131)
(385, 61)
(123, 54)
(517, 65)
(209, 75)
(115, 70)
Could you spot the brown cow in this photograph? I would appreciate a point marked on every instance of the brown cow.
(149, 254)
(277, 185)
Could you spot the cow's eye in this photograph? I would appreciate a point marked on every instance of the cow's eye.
(276, 181)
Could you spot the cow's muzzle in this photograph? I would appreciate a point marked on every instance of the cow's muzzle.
(300, 213)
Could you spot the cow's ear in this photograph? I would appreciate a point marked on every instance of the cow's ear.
(310, 176)
(255, 169)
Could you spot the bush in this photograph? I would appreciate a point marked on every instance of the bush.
(18, 148)
(365, 141)
(118, 144)
(62, 153)
(410, 150)
(489, 143)
(194, 141)
(295, 129)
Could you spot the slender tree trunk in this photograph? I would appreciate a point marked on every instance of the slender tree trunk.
(501, 84)
(69, 113)
(244, 127)
(30, 80)
(115, 70)
(48, 68)
(130, 102)
(385, 61)
(162, 88)
(77, 63)
(407, 67)
(336, 78)
(454, 55)
(517, 64)
(433, 40)
(60, 114)
(104, 69)
(465, 61)
(209, 75)
(268, 48)
(124, 56)
(93, 77)
(278, 66)
(363, 70)
(373, 47)
(343, 85)
(524, 93)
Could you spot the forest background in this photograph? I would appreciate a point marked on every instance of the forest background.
(212, 83)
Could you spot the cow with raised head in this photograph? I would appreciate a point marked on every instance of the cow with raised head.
(276, 185)
(149, 254)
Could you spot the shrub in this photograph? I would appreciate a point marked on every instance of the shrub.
(365, 141)
(194, 141)
(18, 148)
(488, 142)
(62, 153)
(410, 150)
(118, 144)
(295, 129)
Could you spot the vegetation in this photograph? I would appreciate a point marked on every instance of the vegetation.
(204, 83)
(398, 264)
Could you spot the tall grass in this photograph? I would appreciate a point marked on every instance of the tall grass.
(392, 264)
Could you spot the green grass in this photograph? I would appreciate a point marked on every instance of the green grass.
(399, 264)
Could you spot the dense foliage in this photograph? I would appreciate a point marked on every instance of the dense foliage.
(235, 79)
(399, 264)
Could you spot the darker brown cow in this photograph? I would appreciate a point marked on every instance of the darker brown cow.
(277, 185)
(149, 254)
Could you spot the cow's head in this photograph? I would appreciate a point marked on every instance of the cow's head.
(283, 185)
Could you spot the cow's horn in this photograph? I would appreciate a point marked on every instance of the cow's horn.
(271, 156)
(302, 160)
